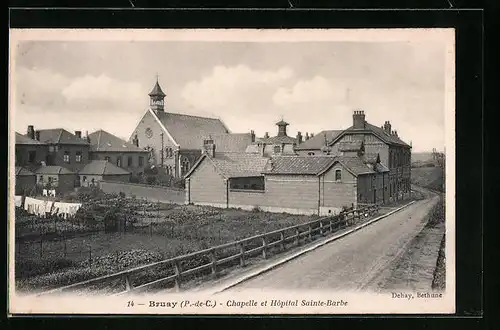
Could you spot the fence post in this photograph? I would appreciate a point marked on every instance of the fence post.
(297, 236)
(242, 254)
(213, 260)
(330, 225)
(282, 240)
(264, 247)
(321, 227)
(127, 282)
(177, 270)
(309, 232)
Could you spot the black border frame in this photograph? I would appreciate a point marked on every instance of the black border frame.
(469, 118)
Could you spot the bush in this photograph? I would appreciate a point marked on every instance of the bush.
(30, 268)
(256, 209)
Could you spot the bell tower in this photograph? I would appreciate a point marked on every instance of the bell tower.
(157, 97)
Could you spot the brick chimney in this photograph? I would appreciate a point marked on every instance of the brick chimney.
(31, 132)
(358, 119)
(263, 150)
(252, 134)
(387, 127)
(209, 147)
(307, 136)
(78, 134)
(396, 133)
(135, 141)
(37, 135)
(299, 138)
(266, 136)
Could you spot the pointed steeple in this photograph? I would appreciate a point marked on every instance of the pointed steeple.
(156, 97)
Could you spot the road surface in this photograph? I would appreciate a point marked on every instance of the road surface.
(354, 262)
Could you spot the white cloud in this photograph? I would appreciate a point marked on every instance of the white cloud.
(234, 88)
(102, 88)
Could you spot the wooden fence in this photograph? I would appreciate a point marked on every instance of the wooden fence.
(211, 261)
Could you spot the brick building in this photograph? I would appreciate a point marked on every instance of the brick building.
(288, 183)
(125, 155)
(383, 141)
(176, 141)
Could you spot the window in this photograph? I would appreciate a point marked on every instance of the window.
(338, 175)
(185, 166)
(277, 149)
(130, 161)
(31, 156)
(119, 161)
(169, 152)
(78, 157)
(84, 179)
(41, 178)
(141, 161)
(50, 179)
(66, 157)
(250, 183)
(107, 158)
(310, 153)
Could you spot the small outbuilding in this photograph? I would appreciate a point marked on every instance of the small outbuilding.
(102, 170)
(25, 180)
(56, 177)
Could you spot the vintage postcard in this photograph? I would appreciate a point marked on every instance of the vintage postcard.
(232, 171)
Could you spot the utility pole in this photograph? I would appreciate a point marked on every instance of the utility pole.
(162, 151)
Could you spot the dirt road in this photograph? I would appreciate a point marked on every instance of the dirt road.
(354, 262)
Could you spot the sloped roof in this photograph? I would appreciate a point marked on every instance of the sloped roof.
(379, 167)
(234, 164)
(104, 141)
(21, 171)
(23, 139)
(60, 136)
(233, 142)
(188, 131)
(279, 140)
(315, 165)
(59, 170)
(157, 91)
(379, 132)
(371, 157)
(307, 165)
(252, 148)
(317, 141)
(102, 167)
(355, 164)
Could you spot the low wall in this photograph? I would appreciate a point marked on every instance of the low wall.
(153, 193)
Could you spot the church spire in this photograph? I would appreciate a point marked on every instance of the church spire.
(156, 97)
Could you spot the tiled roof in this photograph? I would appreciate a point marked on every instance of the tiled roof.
(252, 148)
(370, 158)
(60, 136)
(278, 140)
(355, 164)
(239, 164)
(102, 167)
(53, 170)
(308, 165)
(379, 132)
(188, 131)
(233, 142)
(314, 165)
(317, 141)
(350, 145)
(104, 141)
(22, 139)
(21, 171)
(379, 167)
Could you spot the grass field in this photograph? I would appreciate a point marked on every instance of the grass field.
(168, 231)
(428, 177)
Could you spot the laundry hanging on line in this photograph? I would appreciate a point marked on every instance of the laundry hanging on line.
(38, 207)
(66, 209)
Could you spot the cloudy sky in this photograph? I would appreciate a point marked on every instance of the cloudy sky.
(314, 86)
